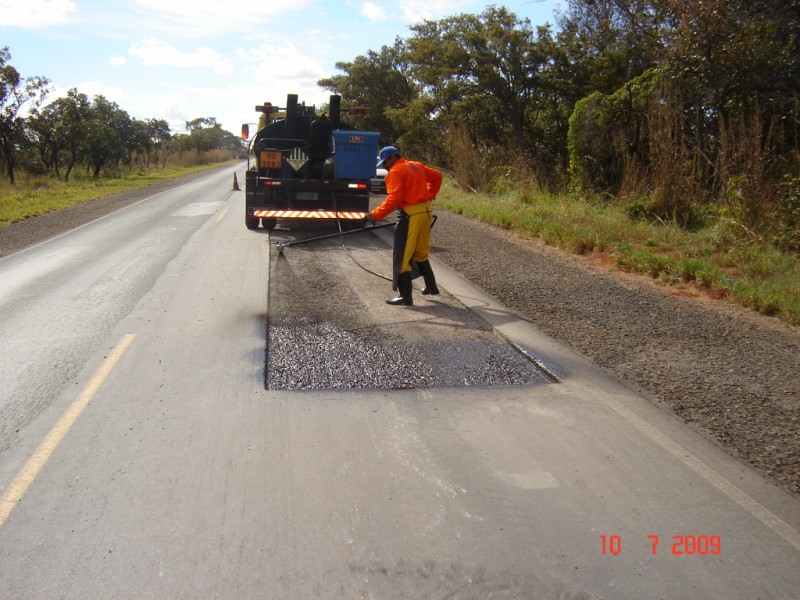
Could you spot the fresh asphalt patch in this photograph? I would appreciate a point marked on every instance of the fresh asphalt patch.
(329, 327)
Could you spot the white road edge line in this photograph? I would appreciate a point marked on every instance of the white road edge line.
(555, 352)
(756, 509)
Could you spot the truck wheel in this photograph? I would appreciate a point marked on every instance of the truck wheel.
(269, 224)
(251, 222)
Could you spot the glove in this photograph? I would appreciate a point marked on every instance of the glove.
(370, 219)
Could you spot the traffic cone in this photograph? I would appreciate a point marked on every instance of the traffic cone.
(235, 183)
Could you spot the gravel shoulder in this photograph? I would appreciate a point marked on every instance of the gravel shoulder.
(730, 373)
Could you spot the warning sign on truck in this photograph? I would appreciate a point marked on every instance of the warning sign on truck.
(297, 159)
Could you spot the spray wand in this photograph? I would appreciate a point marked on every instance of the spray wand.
(281, 245)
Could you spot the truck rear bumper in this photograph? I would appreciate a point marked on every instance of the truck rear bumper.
(307, 214)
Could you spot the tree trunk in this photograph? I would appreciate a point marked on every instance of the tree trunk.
(10, 163)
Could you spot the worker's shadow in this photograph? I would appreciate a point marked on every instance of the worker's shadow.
(481, 310)
(438, 313)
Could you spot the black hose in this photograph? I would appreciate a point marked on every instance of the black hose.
(346, 251)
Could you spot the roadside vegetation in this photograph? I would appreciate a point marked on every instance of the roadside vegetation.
(716, 260)
(74, 144)
(662, 135)
(55, 153)
(34, 195)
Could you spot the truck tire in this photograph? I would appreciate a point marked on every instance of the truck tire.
(251, 222)
(269, 224)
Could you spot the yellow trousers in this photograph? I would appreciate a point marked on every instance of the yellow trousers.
(418, 237)
(412, 238)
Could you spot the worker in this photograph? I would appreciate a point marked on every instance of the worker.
(410, 188)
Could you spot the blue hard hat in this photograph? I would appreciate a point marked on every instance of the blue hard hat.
(385, 153)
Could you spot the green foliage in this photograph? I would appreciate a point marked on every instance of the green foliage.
(478, 72)
(357, 86)
(683, 110)
(206, 139)
(14, 94)
(37, 195)
(108, 127)
(644, 260)
(97, 134)
(608, 132)
(719, 258)
(607, 43)
(698, 269)
(787, 234)
(58, 132)
(586, 142)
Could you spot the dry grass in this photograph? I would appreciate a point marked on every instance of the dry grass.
(719, 259)
(36, 195)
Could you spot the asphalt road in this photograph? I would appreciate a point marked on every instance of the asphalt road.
(146, 453)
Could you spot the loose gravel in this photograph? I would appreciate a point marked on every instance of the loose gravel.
(324, 316)
(728, 372)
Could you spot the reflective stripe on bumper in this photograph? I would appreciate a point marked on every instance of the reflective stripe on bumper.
(307, 214)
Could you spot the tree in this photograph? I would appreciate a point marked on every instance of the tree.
(108, 134)
(60, 128)
(482, 71)
(14, 95)
(205, 139)
(139, 145)
(734, 69)
(357, 86)
(200, 123)
(727, 57)
(607, 43)
(159, 136)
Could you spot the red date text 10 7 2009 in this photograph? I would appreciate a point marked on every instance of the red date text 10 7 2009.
(682, 545)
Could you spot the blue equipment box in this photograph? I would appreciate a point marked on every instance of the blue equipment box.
(356, 154)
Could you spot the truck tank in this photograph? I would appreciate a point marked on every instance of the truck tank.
(308, 166)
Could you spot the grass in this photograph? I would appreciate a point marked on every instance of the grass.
(717, 260)
(34, 196)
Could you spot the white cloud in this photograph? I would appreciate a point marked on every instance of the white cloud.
(269, 63)
(98, 88)
(117, 60)
(373, 12)
(174, 108)
(415, 11)
(202, 18)
(36, 14)
(155, 52)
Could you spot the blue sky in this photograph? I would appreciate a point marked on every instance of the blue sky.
(183, 59)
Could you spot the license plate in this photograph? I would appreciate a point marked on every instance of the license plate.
(270, 160)
(306, 195)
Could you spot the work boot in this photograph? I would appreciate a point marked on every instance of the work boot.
(426, 270)
(404, 288)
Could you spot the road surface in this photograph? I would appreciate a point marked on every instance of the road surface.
(146, 451)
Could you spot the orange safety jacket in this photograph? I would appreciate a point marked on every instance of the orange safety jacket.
(408, 183)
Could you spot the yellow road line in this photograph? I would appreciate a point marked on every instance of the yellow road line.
(221, 215)
(37, 461)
